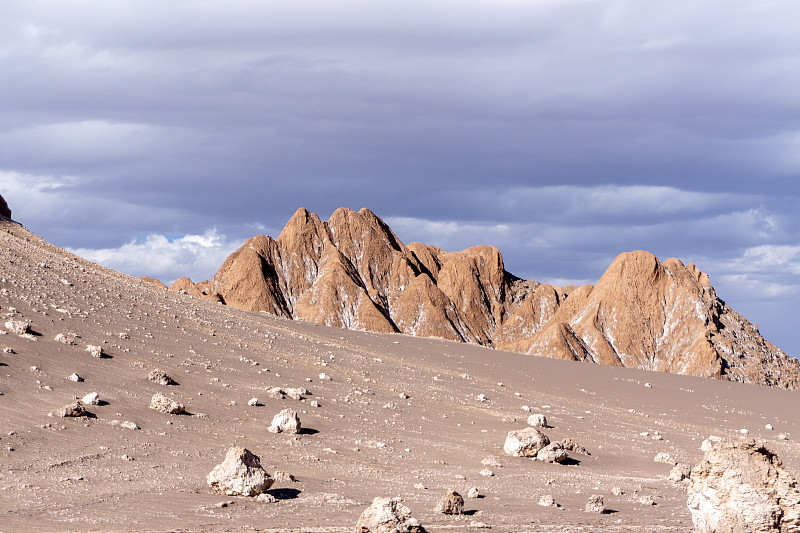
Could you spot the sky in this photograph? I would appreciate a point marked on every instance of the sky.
(155, 137)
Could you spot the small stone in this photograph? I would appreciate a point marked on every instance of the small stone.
(284, 477)
(252, 402)
(266, 498)
(160, 377)
(537, 420)
(419, 486)
(647, 500)
(314, 403)
(167, 405)
(64, 339)
(769, 427)
(486, 472)
(664, 457)
(129, 425)
(679, 472)
(492, 460)
(75, 377)
(648, 385)
(92, 398)
(473, 493)
(616, 491)
(595, 504)
(782, 437)
(323, 376)
(451, 503)
(482, 398)
(95, 351)
(72, 410)
(286, 421)
(547, 501)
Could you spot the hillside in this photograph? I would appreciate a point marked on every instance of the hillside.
(353, 272)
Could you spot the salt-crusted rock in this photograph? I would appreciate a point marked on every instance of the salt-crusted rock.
(485, 472)
(679, 472)
(96, 351)
(451, 503)
(388, 515)
(160, 377)
(92, 398)
(709, 442)
(275, 392)
(240, 474)
(286, 421)
(537, 420)
(125, 424)
(295, 393)
(165, 404)
(595, 504)
(266, 498)
(473, 493)
(252, 402)
(75, 377)
(74, 409)
(572, 446)
(19, 327)
(552, 453)
(743, 487)
(525, 442)
(283, 477)
(492, 460)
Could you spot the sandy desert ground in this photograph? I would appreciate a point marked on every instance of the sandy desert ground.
(399, 416)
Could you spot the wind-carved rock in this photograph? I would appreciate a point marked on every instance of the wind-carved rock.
(353, 272)
(743, 487)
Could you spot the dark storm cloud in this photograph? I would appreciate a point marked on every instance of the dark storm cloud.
(562, 131)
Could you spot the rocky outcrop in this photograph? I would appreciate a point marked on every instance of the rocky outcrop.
(4, 210)
(240, 474)
(353, 272)
(743, 487)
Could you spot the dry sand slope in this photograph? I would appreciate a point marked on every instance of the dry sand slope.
(400, 416)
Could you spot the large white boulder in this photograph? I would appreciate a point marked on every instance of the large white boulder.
(240, 474)
(388, 515)
(525, 442)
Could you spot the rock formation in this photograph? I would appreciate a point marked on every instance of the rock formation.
(451, 503)
(353, 272)
(743, 487)
(4, 210)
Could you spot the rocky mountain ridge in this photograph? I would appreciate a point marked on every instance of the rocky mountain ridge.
(353, 272)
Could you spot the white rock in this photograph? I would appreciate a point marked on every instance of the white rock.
(537, 420)
(769, 427)
(547, 501)
(165, 404)
(252, 402)
(473, 493)
(388, 515)
(20, 327)
(95, 351)
(286, 421)
(525, 442)
(75, 377)
(240, 474)
(92, 398)
(664, 457)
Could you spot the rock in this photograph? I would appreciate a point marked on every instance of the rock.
(537, 420)
(743, 486)
(647, 500)
(240, 474)
(266, 498)
(679, 472)
(709, 442)
(595, 504)
(572, 446)
(65, 339)
(160, 377)
(74, 409)
(451, 503)
(92, 398)
(286, 421)
(275, 393)
(165, 404)
(485, 472)
(96, 351)
(547, 501)
(664, 457)
(18, 327)
(388, 515)
(769, 427)
(616, 491)
(4, 210)
(295, 393)
(473, 493)
(75, 377)
(252, 402)
(283, 477)
(129, 425)
(525, 442)
(552, 453)
(492, 460)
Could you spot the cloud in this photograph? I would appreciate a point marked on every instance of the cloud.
(164, 258)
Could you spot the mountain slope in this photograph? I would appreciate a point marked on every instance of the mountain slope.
(353, 272)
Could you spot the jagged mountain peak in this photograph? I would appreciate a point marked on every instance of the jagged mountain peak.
(352, 271)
